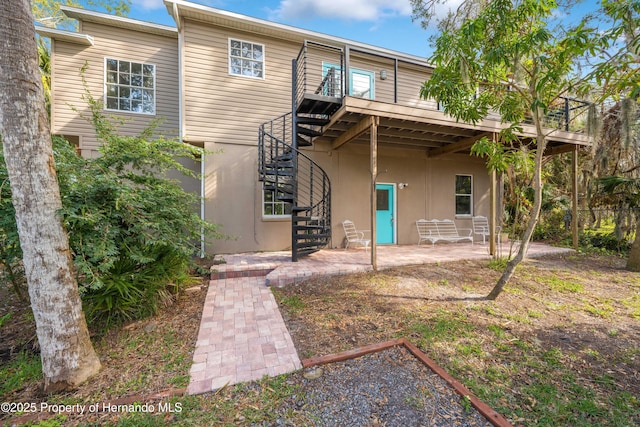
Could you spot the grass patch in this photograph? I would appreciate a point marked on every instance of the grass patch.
(294, 303)
(561, 285)
(444, 327)
(20, 371)
(633, 304)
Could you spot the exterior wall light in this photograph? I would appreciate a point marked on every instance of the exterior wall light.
(383, 74)
(402, 185)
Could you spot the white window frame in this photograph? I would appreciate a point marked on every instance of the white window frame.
(261, 61)
(273, 203)
(470, 196)
(118, 85)
(372, 79)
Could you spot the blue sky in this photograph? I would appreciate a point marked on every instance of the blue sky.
(385, 23)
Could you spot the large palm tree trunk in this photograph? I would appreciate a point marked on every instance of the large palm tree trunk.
(68, 358)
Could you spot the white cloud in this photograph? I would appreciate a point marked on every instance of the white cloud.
(359, 10)
(148, 4)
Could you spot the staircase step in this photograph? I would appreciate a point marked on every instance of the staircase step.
(301, 208)
(308, 251)
(318, 245)
(304, 142)
(279, 172)
(314, 237)
(315, 121)
(310, 227)
(288, 164)
(284, 157)
(308, 132)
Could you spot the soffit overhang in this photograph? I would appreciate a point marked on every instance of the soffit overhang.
(430, 130)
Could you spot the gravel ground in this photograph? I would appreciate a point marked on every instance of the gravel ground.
(387, 388)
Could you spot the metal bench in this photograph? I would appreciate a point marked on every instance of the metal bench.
(434, 230)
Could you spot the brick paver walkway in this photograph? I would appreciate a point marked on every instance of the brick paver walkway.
(242, 334)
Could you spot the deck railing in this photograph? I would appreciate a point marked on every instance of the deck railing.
(325, 70)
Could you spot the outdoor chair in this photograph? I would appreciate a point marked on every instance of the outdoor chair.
(481, 226)
(354, 236)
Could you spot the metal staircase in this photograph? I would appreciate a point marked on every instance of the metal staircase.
(292, 175)
(298, 180)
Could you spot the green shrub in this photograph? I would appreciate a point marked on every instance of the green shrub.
(132, 230)
(136, 289)
(590, 241)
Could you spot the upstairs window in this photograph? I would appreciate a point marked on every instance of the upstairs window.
(361, 84)
(464, 195)
(246, 59)
(130, 86)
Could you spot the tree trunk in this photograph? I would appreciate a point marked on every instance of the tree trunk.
(541, 145)
(68, 357)
(633, 262)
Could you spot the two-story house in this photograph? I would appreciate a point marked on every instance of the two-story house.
(306, 129)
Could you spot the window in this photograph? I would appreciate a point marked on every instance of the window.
(464, 195)
(272, 207)
(130, 86)
(246, 59)
(331, 80)
(360, 81)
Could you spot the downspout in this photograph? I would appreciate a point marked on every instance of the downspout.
(176, 17)
(202, 171)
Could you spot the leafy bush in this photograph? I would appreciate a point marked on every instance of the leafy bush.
(132, 229)
(134, 290)
(590, 241)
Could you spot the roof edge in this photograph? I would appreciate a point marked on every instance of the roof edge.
(68, 36)
(119, 21)
(173, 7)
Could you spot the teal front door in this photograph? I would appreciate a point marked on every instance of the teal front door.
(385, 203)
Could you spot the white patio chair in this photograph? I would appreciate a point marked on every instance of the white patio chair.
(354, 236)
(481, 226)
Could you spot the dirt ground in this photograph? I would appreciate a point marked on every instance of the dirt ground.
(139, 359)
(571, 323)
(580, 314)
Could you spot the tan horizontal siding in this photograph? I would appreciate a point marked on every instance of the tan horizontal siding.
(69, 59)
(220, 107)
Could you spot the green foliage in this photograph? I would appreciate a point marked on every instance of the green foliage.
(132, 229)
(616, 72)
(4, 318)
(48, 13)
(11, 271)
(21, 370)
(591, 241)
(135, 289)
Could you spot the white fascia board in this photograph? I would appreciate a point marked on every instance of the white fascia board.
(64, 35)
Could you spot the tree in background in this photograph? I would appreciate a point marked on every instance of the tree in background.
(615, 169)
(68, 357)
(503, 56)
(48, 13)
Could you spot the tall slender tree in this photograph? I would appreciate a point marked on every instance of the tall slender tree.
(68, 357)
(504, 56)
